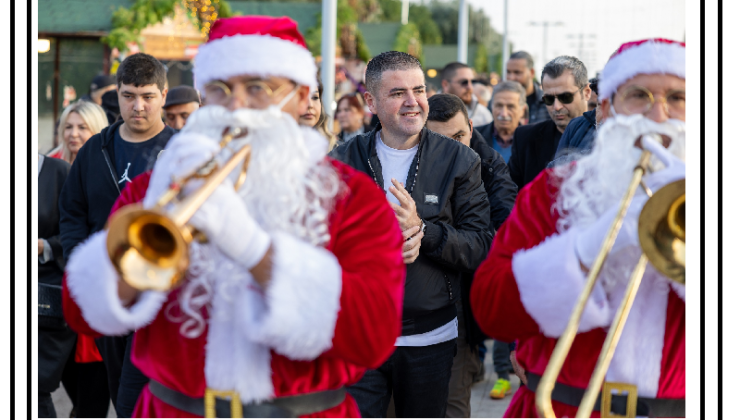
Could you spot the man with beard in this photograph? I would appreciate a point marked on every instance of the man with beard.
(433, 183)
(566, 94)
(540, 258)
(520, 69)
(457, 79)
(298, 289)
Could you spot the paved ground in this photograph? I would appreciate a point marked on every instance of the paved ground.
(482, 406)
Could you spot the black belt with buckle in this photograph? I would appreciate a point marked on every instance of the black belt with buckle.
(283, 407)
(646, 407)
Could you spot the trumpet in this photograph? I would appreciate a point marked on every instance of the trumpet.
(661, 232)
(149, 247)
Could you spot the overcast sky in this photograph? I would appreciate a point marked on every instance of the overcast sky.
(604, 26)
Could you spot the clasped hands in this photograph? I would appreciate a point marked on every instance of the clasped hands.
(409, 221)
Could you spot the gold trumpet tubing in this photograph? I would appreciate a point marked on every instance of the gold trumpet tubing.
(192, 203)
(612, 339)
(543, 396)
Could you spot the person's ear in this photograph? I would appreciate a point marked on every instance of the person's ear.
(587, 93)
(370, 101)
(164, 97)
(445, 85)
(470, 122)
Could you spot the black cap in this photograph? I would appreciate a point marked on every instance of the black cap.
(101, 81)
(181, 95)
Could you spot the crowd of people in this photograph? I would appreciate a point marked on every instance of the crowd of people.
(356, 268)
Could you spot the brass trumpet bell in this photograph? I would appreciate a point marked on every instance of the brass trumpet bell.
(150, 247)
(147, 248)
(661, 230)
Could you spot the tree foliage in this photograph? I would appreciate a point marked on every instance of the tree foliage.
(408, 40)
(346, 18)
(128, 23)
(480, 31)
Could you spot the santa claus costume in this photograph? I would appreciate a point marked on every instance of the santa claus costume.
(332, 307)
(527, 287)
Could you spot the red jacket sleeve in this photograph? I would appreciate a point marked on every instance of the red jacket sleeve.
(494, 296)
(133, 193)
(367, 241)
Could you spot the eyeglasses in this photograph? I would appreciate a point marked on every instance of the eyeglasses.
(639, 100)
(257, 91)
(465, 82)
(565, 98)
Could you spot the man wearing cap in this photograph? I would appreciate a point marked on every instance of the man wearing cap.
(101, 84)
(540, 258)
(299, 287)
(181, 102)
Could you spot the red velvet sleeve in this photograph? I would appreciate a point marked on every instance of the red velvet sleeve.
(133, 193)
(494, 296)
(367, 242)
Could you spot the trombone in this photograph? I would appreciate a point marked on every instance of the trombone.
(661, 231)
(150, 247)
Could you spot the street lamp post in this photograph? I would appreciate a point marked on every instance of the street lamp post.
(544, 25)
(328, 53)
(505, 47)
(462, 33)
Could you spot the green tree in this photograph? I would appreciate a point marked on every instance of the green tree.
(480, 31)
(408, 40)
(481, 59)
(346, 16)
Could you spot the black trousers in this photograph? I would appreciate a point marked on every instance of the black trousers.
(56, 342)
(417, 377)
(125, 381)
(87, 387)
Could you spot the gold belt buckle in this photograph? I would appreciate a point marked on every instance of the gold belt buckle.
(209, 400)
(621, 388)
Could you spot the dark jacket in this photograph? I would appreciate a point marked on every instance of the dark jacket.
(538, 109)
(579, 135)
(451, 199)
(92, 187)
(501, 192)
(532, 149)
(51, 180)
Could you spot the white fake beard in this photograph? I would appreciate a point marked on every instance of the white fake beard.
(599, 180)
(289, 188)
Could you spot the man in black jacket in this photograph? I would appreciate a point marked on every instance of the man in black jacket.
(434, 183)
(565, 83)
(448, 116)
(104, 166)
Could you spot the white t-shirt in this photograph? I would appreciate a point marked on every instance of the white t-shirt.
(396, 164)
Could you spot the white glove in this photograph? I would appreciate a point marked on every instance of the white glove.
(186, 153)
(675, 168)
(226, 222)
(589, 240)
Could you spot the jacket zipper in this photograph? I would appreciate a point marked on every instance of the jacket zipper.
(110, 168)
(449, 286)
(375, 178)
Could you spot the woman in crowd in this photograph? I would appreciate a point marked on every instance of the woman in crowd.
(350, 115)
(82, 371)
(316, 117)
(78, 123)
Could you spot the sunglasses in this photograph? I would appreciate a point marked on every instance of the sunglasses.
(565, 98)
(465, 82)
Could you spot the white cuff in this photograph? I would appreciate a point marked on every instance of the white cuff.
(550, 279)
(47, 254)
(93, 284)
(302, 300)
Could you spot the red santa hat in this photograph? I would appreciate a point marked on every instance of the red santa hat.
(256, 45)
(648, 56)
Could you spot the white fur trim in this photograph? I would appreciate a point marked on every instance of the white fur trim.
(93, 284)
(233, 360)
(302, 300)
(258, 55)
(646, 58)
(550, 279)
